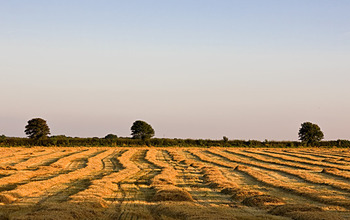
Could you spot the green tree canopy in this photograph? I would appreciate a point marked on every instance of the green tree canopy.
(37, 128)
(111, 136)
(141, 130)
(310, 133)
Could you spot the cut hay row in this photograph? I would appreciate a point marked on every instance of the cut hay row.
(337, 173)
(26, 175)
(16, 159)
(228, 157)
(202, 157)
(263, 156)
(164, 183)
(342, 156)
(315, 177)
(193, 211)
(180, 158)
(170, 183)
(304, 212)
(198, 179)
(112, 163)
(297, 188)
(104, 184)
(128, 170)
(108, 184)
(167, 175)
(32, 191)
(319, 164)
(50, 161)
(83, 198)
(327, 153)
(311, 158)
(214, 178)
(131, 200)
(257, 198)
(297, 154)
(28, 164)
(116, 184)
(15, 152)
(271, 160)
(302, 175)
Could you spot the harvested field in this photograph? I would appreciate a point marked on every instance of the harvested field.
(174, 183)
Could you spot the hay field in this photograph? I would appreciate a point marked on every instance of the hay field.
(174, 183)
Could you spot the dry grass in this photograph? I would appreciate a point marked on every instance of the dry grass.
(65, 211)
(7, 199)
(216, 179)
(304, 212)
(211, 160)
(299, 189)
(171, 183)
(311, 177)
(38, 188)
(186, 210)
(163, 183)
(244, 194)
(310, 215)
(262, 201)
(285, 209)
(171, 193)
(319, 164)
(336, 172)
(259, 157)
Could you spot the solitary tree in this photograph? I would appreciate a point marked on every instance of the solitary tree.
(141, 130)
(37, 128)
(310, 133)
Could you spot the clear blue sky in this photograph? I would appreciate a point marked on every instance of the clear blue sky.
(199, 69)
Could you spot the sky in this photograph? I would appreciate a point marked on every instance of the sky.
(192, 69)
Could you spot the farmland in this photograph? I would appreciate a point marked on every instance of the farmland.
(174, 183)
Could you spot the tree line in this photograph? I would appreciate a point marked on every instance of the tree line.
(38, 132)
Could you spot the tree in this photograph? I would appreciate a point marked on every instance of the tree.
(111, 136)
(141, 130)
(310, 133)
(37, 128)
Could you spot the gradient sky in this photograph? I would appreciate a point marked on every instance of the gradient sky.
(247, 69)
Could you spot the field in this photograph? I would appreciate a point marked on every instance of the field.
(174, 183)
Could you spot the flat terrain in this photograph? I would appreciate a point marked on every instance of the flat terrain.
(174, 183)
